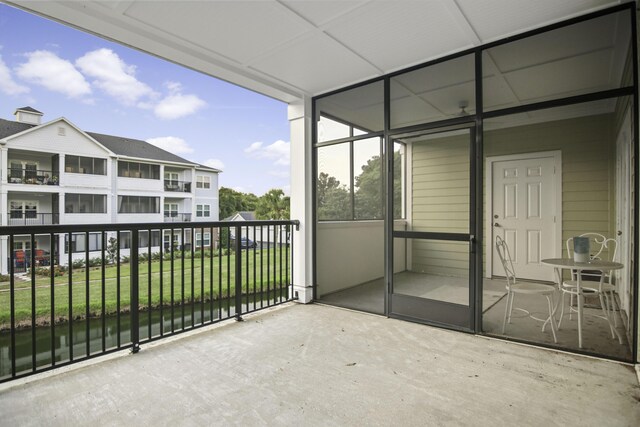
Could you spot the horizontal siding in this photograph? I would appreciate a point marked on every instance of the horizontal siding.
(586, 166)
(440, 196)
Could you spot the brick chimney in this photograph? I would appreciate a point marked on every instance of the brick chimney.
(28, 115)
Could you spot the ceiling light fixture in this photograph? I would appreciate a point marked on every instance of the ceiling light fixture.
(462, 105)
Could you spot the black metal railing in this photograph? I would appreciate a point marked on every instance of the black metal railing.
(120, 287)
(16, 218)
(32, 176)
(177, 217)
(173, 185)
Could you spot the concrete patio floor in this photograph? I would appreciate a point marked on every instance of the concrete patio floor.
(319, 365)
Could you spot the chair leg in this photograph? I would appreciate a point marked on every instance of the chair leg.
(604, 305)
(613, 309)
(551, 319)
(570, 305)
(513, 296)
(506, 311)
(561, 309)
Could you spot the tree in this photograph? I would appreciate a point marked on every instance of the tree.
(334, 199)
(369, 200)
(273, 205)
(368, 191)
(232, 201)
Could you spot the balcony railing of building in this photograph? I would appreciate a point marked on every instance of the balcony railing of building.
(177, 217)
(119, 287)
(32, 218)
(180, 186)
(32, 176)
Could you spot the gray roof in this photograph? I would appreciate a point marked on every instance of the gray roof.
(8, 127)
(205, 167)
(119, 145)
(29, 110)
(245, 215)
(136, 148)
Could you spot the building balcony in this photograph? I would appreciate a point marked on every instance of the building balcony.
(32, 176)
(177, 186)
(17, 218)
(177, 217)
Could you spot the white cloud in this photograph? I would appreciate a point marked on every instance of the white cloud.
(114, 76)
(172, 144)
(279, 152)
(54, 73)
(7, 84)
(173, 87)
(214, 163)
(177, 105)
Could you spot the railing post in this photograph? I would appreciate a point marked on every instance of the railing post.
(134, 309)
(238, 281)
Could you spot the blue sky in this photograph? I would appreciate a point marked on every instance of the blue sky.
(104, 87)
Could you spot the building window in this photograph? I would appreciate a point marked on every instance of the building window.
(78, 242)
(143, 238)
(206, 242)
(87, 165)
(85, 203)
(203, 181)
(19, 209)
(138, 170)
(349, 184)
(138, 204)
(203, 211)
(171, 210)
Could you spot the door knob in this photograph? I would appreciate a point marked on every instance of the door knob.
(496, 225)
(496, 216)
(619, 233)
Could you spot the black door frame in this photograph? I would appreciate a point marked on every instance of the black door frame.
(437, 313)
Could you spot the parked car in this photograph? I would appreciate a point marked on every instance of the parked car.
(247, 243)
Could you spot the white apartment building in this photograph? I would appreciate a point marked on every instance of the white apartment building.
(56, 173)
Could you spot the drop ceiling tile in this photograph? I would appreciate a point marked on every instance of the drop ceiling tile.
(497, 94)
(239, 30)
(572, 76)
(554, 45)
(412, 110)
(319, 12)
(316, 64)
(393, 35)
(494, 19)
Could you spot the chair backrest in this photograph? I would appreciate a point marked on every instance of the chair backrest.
(600, 247)
(507, 262)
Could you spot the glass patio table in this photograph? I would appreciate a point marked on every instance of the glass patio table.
(560, 264)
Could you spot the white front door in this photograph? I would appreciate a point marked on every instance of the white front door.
(524, 214)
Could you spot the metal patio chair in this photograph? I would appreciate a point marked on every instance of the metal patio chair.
(525, 288)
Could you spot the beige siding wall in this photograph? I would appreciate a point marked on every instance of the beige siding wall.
(440, 203)
(586, 166)
(441, 183)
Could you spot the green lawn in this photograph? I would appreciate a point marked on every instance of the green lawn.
(223, 285)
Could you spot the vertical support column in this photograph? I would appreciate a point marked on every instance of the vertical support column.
(4, 164)
(62, 175)
(300, 125)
